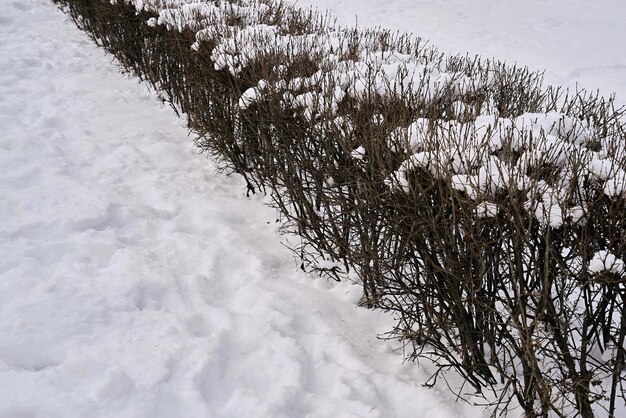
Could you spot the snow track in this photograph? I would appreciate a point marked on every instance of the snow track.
(135, 282)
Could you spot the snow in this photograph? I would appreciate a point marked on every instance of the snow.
(248, 97)
(605, 261)
(136, 282)
(487, 210)
(358, 153)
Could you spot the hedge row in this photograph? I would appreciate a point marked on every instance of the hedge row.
(483, 208)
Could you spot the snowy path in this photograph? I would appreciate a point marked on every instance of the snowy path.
(135, 282)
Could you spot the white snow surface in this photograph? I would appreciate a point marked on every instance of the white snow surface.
(136, 282)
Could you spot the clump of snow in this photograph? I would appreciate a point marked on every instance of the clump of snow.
(603, 260)
(248, 97)
(616, 185)
(358, 153)
(487, 210)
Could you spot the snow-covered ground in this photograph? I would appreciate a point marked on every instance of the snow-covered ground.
(136, 282)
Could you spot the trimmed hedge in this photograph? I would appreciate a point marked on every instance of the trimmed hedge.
(483, 208)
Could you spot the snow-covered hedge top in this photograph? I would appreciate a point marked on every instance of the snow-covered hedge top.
(548, 157)
(358, 63)
(217, 18)
(358, 70)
